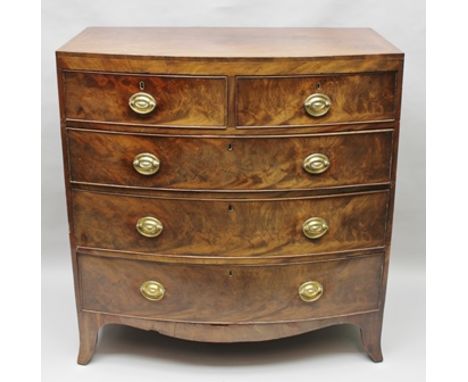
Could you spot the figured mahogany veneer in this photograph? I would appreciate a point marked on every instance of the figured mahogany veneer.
(229, 294)
(232, 227)
(273, 101)
(238, 164)
(181, 100)
(222, 254)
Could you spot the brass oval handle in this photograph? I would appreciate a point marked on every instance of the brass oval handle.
(315, 227)
(146, 164)
(317, 104)
(316, 163)
(142, 103)
(149, 226)
(310, 291)
(152, 290)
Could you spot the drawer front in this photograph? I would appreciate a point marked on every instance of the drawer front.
(184, 101)
(278, 101)
(229, 293)
(230, 163)
(273, 227)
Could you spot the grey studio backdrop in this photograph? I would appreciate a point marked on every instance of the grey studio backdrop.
(331, 354)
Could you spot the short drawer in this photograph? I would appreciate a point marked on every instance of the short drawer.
(145, 99)
(230, 293)
(279, 101)
(241, 164)
(238, 227)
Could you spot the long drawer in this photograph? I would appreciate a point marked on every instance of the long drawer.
(252, 163)
(230, 293)
(237, 227)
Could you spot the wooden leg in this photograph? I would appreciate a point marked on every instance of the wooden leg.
(89, 328)
(371, 330)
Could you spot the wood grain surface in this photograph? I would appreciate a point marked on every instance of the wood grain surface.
(189, 101)
(267, 101)
(230, 228)
(231, 132)
(242, 164)
(226, 67)
(368, 323)
(230, 294)
(229, 42)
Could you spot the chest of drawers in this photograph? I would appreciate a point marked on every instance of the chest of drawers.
(230, 184)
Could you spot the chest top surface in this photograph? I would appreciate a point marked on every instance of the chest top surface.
(215, 42)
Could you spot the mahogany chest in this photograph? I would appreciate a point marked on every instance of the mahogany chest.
(230, 184)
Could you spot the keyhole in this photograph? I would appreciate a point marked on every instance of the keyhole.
(230, 208)
(318, 85)
(230, 273)
(142, 85)
(229, 147)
